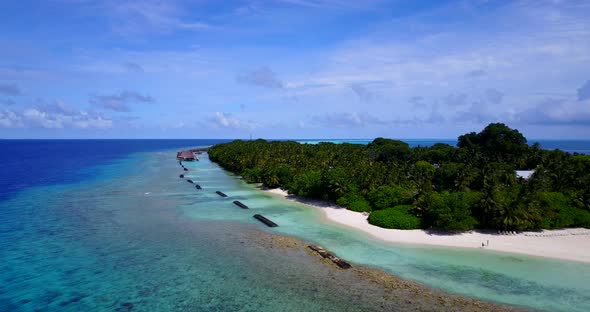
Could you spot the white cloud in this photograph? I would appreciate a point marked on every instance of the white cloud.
(37, 118)
(346, 120)
(119, 102)
(493, 62)
(41, 119)
(9, 119)
(91, 121)
(547, 52)
(366, 120)
(227, 121)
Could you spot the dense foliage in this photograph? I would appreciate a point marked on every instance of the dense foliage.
(444, 187)
(398, 217)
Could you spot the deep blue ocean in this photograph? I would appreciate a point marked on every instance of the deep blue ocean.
(107, 225)
(26, 163)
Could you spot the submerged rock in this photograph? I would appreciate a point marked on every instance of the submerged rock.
(126, 306)
(325, 254)
(72, 300)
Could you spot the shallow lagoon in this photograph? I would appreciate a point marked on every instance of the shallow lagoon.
(136, 237)
(120, 242)
(517, 279)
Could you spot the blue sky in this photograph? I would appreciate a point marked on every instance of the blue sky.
(293, 68)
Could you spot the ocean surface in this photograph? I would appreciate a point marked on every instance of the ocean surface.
(107, 225)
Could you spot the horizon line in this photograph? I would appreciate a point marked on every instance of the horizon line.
(283, 139)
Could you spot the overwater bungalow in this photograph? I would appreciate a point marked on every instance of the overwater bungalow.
(185, 156)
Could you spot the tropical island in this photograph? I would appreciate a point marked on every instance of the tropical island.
(472, 186)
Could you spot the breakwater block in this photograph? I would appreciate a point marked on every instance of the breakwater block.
(190, 181)
(239, 204)
(330, 256)
(220, 193)
(198, 187)
(181, 176)
(265, 220)
(185, 169)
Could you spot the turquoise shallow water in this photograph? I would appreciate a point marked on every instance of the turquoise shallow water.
(531, 281)
(121, 242)
(136, 237)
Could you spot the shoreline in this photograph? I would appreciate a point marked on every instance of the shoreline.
(398, 294)
(563, 244)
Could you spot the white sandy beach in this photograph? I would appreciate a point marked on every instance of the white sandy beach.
(567, 244)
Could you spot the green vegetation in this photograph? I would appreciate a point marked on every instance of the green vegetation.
(398, 217)
(443, 187)
(452, 211)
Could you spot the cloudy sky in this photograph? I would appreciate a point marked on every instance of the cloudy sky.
(293, 68)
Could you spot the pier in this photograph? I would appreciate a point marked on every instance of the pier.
(190, 155)
(185, 156)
